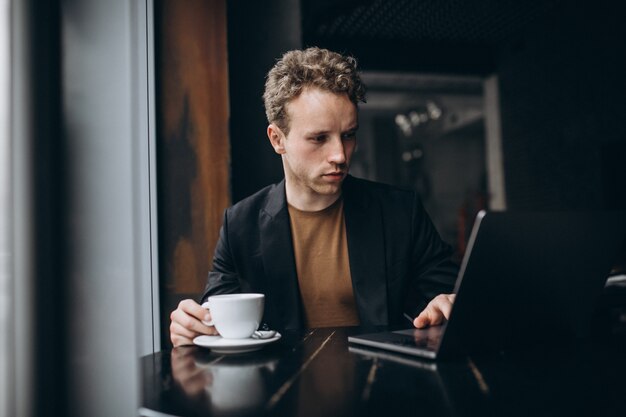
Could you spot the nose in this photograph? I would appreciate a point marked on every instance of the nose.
(337, 152)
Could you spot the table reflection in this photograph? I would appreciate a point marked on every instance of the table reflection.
(225, 385)
(318, 373)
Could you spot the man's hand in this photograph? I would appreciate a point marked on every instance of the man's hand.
(187, 323)
(435, 312)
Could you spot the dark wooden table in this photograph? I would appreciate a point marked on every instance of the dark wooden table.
(318, 373)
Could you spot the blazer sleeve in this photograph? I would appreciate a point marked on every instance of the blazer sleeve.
(223, 277)
(433, 271)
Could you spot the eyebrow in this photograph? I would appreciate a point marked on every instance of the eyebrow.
(322, 132)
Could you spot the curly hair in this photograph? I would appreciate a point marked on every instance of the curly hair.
(312, 67)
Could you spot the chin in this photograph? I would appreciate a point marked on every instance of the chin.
(328, 189)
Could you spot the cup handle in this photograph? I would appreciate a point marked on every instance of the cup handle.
(207, 323)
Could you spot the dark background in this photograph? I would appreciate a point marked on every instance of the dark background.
(559, 64)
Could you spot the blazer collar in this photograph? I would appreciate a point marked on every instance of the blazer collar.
(276, 199)
(279, 260)
(366, 250)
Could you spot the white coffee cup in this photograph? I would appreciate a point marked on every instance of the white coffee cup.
(236, 316)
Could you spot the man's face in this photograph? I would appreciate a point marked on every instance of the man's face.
(317, 151)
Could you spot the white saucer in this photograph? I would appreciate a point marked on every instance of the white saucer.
(218, 344)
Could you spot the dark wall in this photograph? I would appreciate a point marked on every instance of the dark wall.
(562, 95)
(258, 34)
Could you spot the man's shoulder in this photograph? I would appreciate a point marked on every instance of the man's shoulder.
(257, 201)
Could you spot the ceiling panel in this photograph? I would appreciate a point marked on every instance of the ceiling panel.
(425, 35)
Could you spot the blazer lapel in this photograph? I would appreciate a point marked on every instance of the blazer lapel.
(279, 260)
(366, 250)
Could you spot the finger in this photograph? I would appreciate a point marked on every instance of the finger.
(178, 340)
(443, 303)
(180, 336)
(431, 316)
(436, 311)
(420, 323)
(178, 329)
(449, 303)
(436, 317)
(422, 320)
(190, 322)
(194, 309)
(440, 308)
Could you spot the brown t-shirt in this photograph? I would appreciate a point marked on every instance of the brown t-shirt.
(321, 250)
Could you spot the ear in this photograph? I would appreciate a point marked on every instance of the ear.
(277, 138)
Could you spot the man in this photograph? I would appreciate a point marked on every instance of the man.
(326, 249)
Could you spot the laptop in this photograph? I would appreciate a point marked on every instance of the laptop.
(526, 278)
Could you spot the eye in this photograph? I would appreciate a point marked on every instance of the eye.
(349, 135)
(319, 138)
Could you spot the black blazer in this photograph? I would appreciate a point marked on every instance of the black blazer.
(397, 260)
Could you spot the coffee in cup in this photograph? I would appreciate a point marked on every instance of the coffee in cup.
(236, 316)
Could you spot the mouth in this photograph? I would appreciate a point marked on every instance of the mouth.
(335, 176)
